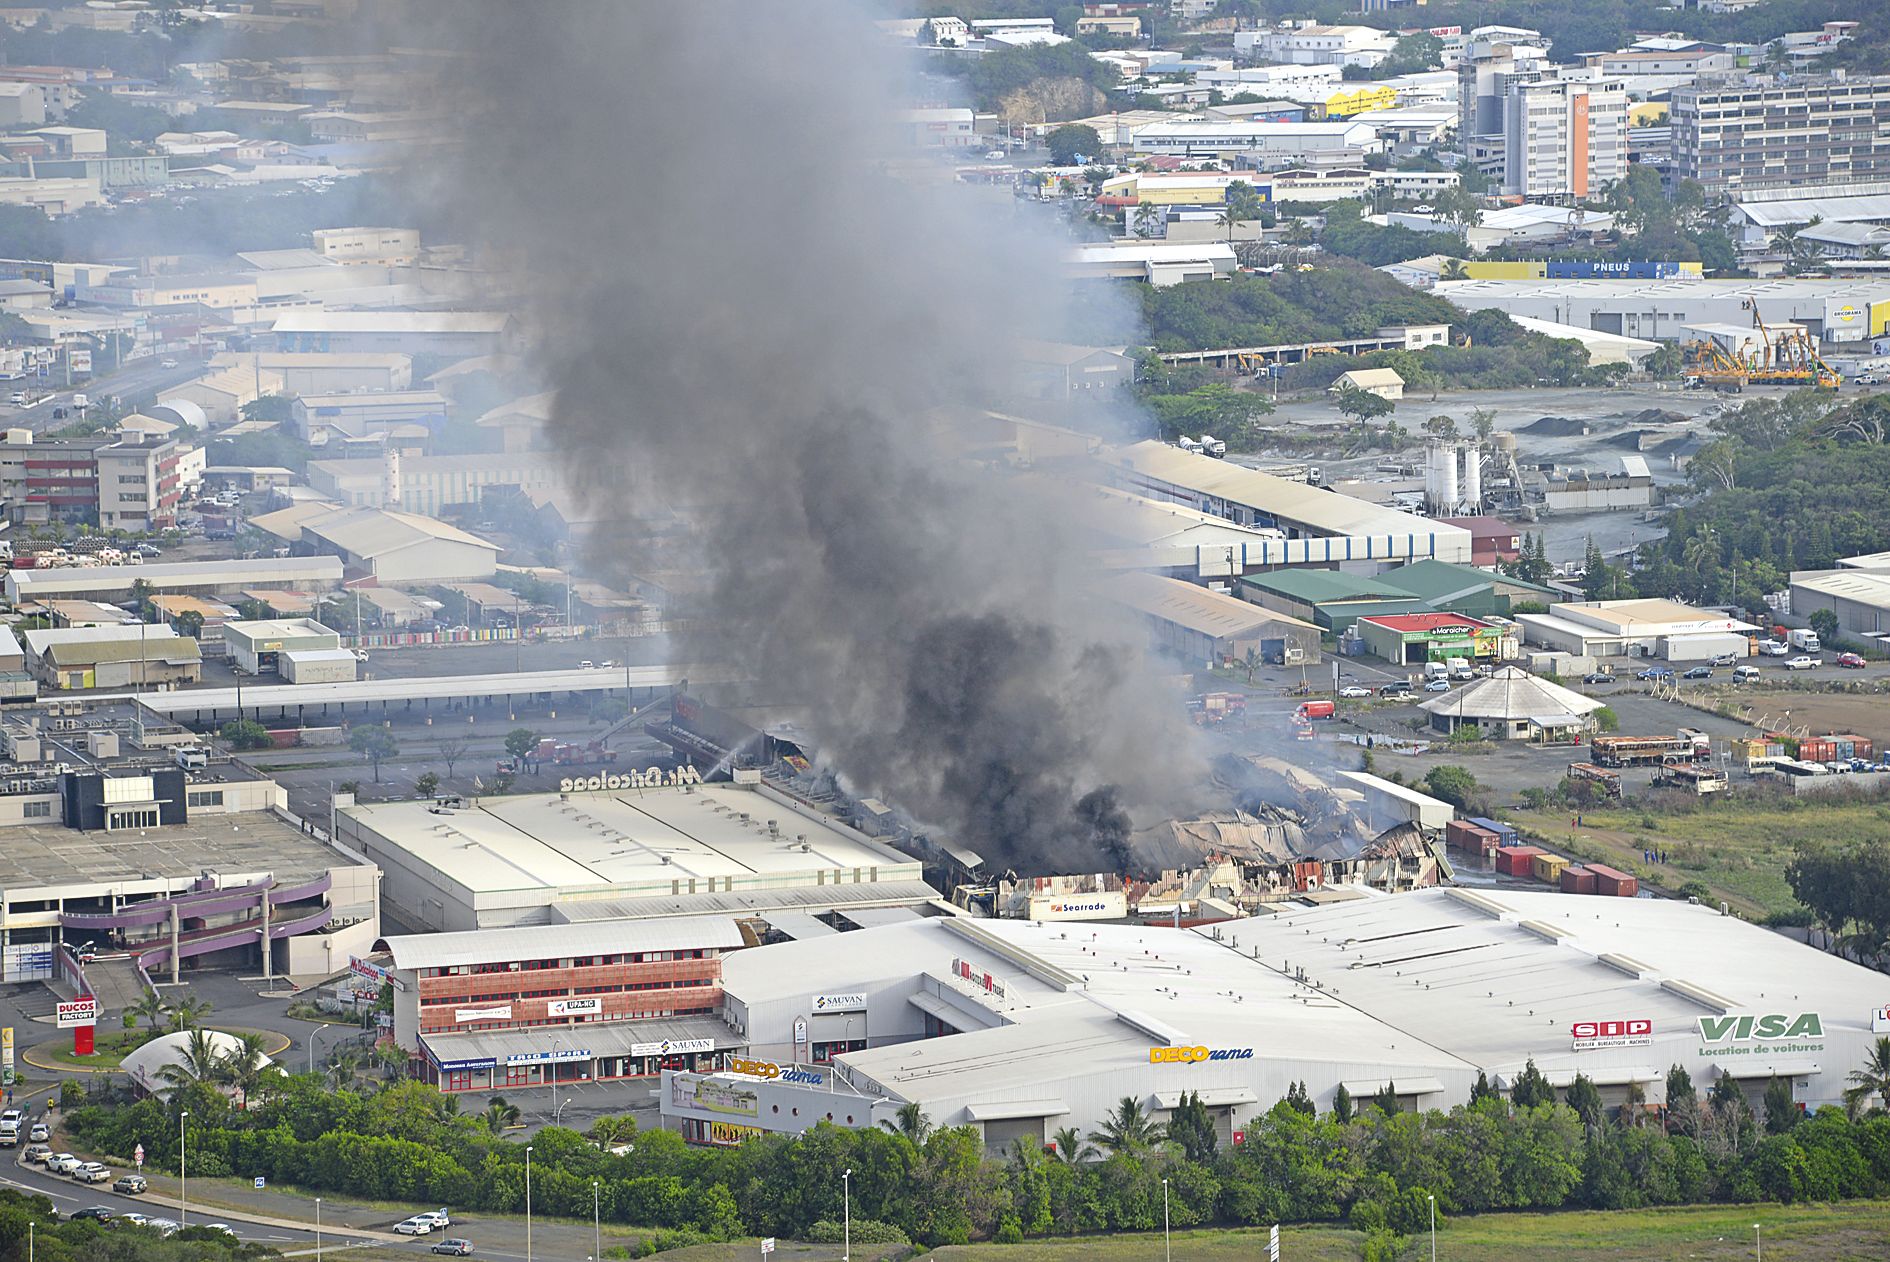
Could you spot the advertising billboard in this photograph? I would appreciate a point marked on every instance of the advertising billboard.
(1106, 905)
(713, 1095)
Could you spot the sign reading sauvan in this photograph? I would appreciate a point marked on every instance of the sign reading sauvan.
(849, 1002)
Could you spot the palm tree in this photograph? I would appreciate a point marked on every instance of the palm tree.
(198, 1060)
(150, 1009)
(499, 1115)
(1872, 1081)
(188, 1013)
(246, 1064)
(1453, 269)
(1072, 1148)
(911, 1122)
(1129, 1130)
(1146, 218)
(349, 1058)
(610, 1132)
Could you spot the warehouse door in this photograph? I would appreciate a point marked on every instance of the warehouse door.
(999, 1134)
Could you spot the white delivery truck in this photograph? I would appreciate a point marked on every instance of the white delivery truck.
(1460, 668)
(1804, 639)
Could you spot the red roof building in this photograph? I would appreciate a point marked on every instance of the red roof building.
(1491, 538)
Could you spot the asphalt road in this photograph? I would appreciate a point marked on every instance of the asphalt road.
(138, 383)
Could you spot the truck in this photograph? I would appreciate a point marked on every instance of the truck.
(1804, 639)
(1435, 670)
(1316, 710)
(1212, 446)
(1459, 668)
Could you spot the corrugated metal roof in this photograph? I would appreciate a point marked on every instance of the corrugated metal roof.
(764, 903)
(599, 1038)
(1195, 608)
(534, 942)
(1511, 693)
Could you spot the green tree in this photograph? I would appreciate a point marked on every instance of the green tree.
(426, 784)
(1073, 142)
(150, 1007)
(1386, 1101)
(1825, 623)
(500, 1115)
(1606, 720)
(1781, 1111)
(1128, 1131)
(188, 1013)
(1872, 1080)
(521, 743)
(247, 1066)
(374, 743)
(1341, 1104)
(1530, 1089)
(1452, 784)
(245, 734)
(1482, 1090)
(1071, 1148)
(910, 1122)
(197, 1060)
(1585, 1098)
(1190, 1126)
(1360, 405)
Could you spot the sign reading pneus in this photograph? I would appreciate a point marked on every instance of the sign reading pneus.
(649, 778)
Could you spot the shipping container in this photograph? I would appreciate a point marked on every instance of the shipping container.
(1516, 860)
(1465, 835)
(1577, 879)
(1505, 832)
(1547, 867)
(1613, 883)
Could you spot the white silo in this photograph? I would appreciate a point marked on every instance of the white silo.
(1447, 472)
(1473, 477)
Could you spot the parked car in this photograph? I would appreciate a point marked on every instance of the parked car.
(134, 1218)
(1598, 677)
(97, 1213)
(93, 1172)
(36, 1154)
(1804, 663)
(437, 1216)
(1850, 661)
(1726, 659)
(1354, 691)
(1699, 672)
(455, 1248)
(586, 664)
(62, 1163)
(130, 1184)
(1774, 648)
(415, 1226)
(1655, 672)
(40, 1131)
(1744, 674)
(225, 1228)
(168, 363)
(164, 1226)
(1397, 688)
(1437, 685)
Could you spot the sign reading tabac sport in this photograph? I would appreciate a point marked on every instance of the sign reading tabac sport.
(1740, 1034)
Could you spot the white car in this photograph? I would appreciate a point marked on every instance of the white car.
(437, 1217)
(225, 1228)
(1354, 691)
(164, 1226)
(167, 363)
(1774, 648)
(134, 1218)
(93, 1172)
(418, 1225)
(63, 1163)
(1804, 663)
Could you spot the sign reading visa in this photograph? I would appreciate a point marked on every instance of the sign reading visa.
(1769, 1027)
(1189, 1055)
(1631, 1032)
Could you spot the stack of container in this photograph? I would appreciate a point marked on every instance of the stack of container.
(1506, 833)
(1612, 883)
(1834, 748)
(1471, 837)
(1547, 867)
(1577, 879)
(1749, 749)
(1517, 860)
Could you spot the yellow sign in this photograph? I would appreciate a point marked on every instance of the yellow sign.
(1190, 1055)
(729, 1134)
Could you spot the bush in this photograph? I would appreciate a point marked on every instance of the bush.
(71, 1094)
(1606, 720)
(865, 1231)
(667, 1238)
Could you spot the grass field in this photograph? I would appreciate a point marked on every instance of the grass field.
(1797, 1233)
(1739, 849)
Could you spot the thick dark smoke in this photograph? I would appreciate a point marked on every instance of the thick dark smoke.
(763, 311)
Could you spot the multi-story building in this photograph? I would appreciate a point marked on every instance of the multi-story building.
(1315, 45)
(1563, 136)
(129, 483)
(138, 483)
(1744, 132)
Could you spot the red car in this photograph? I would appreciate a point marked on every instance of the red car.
(1851, 660)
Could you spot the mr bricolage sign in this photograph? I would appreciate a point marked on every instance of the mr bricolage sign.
(1189, 1055)
(1751, 1034)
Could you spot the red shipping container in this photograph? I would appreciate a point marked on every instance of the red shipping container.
(1461, 834)
(1517, 860)
(1613, 883)
(1577, 879)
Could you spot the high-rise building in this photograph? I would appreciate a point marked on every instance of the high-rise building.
(1745, 132)
(1563, 136)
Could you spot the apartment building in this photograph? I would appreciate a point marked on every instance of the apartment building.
(129, 484)
(1564, 136)
(1741, 132)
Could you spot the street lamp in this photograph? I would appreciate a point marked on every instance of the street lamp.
(1758, 1242)
(1433, 1200)
(1167, 1248)
(597, 1232)
(318, 1229)
(31, 1241)
(528, 1203)
(183, 1203)
(846, 1194)
(551, 1077)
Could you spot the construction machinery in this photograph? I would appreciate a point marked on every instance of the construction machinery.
(1710, 367)
(1787, 358)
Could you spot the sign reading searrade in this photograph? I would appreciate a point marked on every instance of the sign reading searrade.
(1739, 1034)
(1189, 1055)
(1631, 1032)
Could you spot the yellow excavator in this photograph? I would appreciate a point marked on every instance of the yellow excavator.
(1710, 367)
(1788, 358)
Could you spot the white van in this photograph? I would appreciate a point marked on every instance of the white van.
(1436, 670)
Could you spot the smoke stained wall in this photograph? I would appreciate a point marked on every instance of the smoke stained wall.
(761, 312)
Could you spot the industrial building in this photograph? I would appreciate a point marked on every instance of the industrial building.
(320, 419)
(1334, 600)
(622, 845)
(1202, 626)
(138, 655)
(500, 1009)
(1262, 145)
(199, 578)
(428, 484)
(313, 373)
(1638, 628)
(1858, 592)
(1319, 527)
(1158, 263)
(379, 543)
(1415, 638)
(1839, 310)
(257, 647)
(1019, 1028)
(438, 334)
(1512, 704)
